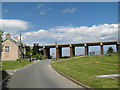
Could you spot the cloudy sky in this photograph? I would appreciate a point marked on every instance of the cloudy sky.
(47, 23)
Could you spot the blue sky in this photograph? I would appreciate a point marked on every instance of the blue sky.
(86, 14)
(63, 22)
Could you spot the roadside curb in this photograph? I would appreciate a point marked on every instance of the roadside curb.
(10, 74)
(73, 80)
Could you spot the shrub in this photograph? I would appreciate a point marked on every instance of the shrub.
(51, 57)
(37, 56)
(18, 60)
(110, 51)
(40, 57)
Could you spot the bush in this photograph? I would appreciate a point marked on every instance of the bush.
(40, 57)
(18, 60)
(110, 51)
(37, 56)
(51, 57)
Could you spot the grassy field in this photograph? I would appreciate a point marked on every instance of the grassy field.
(83, 69)
(14, 64)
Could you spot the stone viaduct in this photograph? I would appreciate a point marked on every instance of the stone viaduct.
(46, 48)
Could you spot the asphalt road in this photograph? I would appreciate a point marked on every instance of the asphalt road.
(39, 75)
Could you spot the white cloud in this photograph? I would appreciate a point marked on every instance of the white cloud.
(64, 34)
(61, 34)
(13, 26)
(42, 12)
(68, 10)
(40, 5)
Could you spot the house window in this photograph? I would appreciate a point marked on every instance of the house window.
(6, 48)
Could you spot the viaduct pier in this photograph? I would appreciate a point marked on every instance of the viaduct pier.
(46, 48)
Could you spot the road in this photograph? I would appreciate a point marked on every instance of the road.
(39, 75)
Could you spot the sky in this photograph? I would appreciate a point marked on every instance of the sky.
(61, 22)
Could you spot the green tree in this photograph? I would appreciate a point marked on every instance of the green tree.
(28, 51)
(27, 48)
(36, 53)
(36, 49)
(110, 51)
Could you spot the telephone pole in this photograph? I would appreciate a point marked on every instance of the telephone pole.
(20, 49)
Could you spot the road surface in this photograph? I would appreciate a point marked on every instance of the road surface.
(39, 75)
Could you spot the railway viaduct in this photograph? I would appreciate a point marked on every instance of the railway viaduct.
(46, 48)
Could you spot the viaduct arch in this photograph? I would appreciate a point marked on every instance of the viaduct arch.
(46, 48)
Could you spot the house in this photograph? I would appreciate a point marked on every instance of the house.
(11, 49)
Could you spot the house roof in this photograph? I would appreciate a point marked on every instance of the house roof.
(13, 41)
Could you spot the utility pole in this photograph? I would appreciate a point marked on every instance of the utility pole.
(20, 49)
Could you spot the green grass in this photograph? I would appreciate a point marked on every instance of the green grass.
(14, 64)
(83, 69)
(66, 58)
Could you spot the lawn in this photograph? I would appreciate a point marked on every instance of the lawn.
(14, 64)
(83, 69)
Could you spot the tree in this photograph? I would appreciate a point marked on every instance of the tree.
(110, 51)
(28, 51)
(36, 53)
(1, 33)
(27, 48)
(36, 49)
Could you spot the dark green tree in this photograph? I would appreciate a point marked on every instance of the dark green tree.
(27, 48)
(110, 51)
(28, 51)
(36, 49)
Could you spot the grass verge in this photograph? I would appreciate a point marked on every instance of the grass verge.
(14, 64)
(83, 70)
(67, 58)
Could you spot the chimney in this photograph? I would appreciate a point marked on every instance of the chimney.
(16, 39)
(8, 35)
